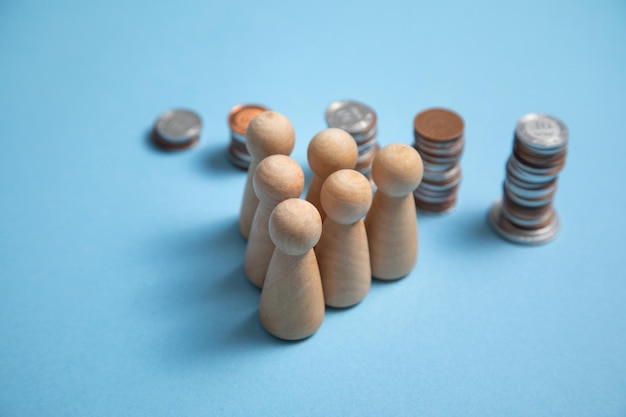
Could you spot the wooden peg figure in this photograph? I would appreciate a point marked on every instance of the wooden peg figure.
(269, 133)
(343, 252)
(329, 151)
(277, 178)
(292, 300)
(391, 223)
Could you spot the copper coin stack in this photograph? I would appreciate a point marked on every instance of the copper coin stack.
(239, 118)
(359, 120)
(439, 140)
(525, 214)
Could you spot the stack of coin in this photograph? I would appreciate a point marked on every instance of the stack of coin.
(525, 214)
(177, 129)
(359, 120)
(439, 140)
(238, 119)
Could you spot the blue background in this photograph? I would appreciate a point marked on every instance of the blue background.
(122, 290)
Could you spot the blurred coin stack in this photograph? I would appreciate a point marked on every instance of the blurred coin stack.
(177, 129)
(439, 140)
(238, 119)
(359, 120)
(525, 214)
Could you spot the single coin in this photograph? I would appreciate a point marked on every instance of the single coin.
(438, 125)
(177, 129)
(240, 116)
(352, 116)
(541, 131)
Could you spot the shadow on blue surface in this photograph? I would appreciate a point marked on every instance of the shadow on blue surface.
(213, 306)
(213, 160)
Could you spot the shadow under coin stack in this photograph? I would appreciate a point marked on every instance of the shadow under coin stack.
(359, 120)
(239, 118)
(525, 214)
(439, 140)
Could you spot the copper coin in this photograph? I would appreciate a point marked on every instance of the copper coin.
(525, 212)
(539, 159)
(441, 207)
(529, 224)
(438, 125)
(240, 116)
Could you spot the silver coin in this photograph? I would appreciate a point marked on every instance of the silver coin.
(432, 198)
(525, 222)
(541, 131)
(526, 202)
(350, 115)
(530, 194)
(366, 137)
(366, 147)
(433, 148)
(237, 137)
(515, 234)
(521, 172)
(441, 176)
(178, 126)
(437, 168)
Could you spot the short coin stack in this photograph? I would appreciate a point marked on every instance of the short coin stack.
(439, 140)
(177, 129)
(238, 119)
(525, 214)
(359, 120)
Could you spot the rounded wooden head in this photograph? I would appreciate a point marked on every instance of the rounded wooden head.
(331, 150)
(295, 226)
(270, 133)
(346, 196)
(277, 178)
(397, 169)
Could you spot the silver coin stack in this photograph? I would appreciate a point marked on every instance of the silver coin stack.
(439, 139)
(359, 120)
(526, 214)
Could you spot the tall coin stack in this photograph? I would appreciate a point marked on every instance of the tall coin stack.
(359, 120)
(525, 214)
(439, 140)
(239, 118)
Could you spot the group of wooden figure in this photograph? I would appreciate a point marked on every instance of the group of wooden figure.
(305, 254)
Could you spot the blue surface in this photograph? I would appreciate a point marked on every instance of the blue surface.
(122, 289)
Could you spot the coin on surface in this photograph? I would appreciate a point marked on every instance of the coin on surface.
(177, 129)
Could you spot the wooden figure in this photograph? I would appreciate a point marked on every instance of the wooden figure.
(391, 223)
(343, 251)
(330, 150)
(277, 178)
(292, 300)
(269, 133)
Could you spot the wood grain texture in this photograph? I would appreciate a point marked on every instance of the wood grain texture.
(277, 178)
(343, 249)
(292, 300)
(269, 133)
(330, 150)
(391, 223)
